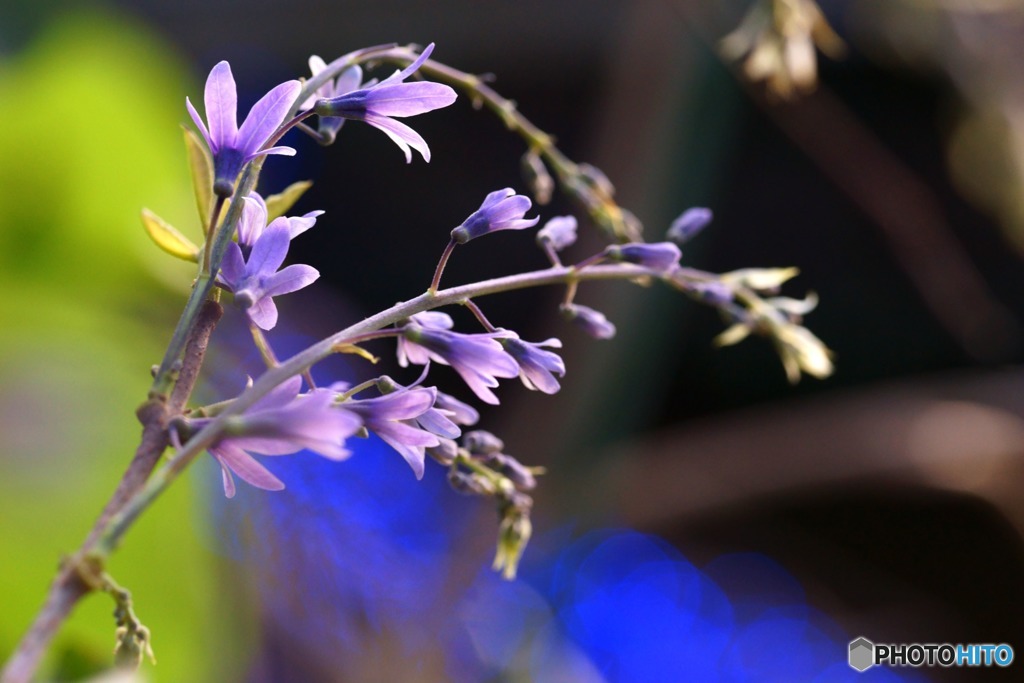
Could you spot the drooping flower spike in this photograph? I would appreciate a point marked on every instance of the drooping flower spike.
(379, 105)
(232, 146)
(281, 423)
(255, 281)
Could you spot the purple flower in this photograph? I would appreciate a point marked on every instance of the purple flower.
(590, 321)
(378, 103)
(691, 222)
(346, 82)
(559, 232)
(255, 281)
(253, 221)
(233, 146)
(459, 412)
(281, 423)
(662, 256)
(389, 417)
(408, 352)
(478, 358)
(536, 366)
(501, 210)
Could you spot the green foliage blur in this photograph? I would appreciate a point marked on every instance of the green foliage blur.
(92, 112)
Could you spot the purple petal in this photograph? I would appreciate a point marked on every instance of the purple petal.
(401, 134)
(560, 231)
(300, 224)
(412, 455)
(408, 99)
(263, 313)
(348, 81)
(283, 151)
(434, 319)
(200, 125)
(480, 385)
(511, 208)
(278, 397)
(246, 467)
(269, 252)
(253, 220)
(401, 405)
(221, 100)
(232, 268)
(290, 279)
(462, 413)
(435, 422)
(266, 116)
(409, 70)
(494, 197)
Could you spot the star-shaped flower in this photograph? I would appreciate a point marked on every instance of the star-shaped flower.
(233, 146)
(255, 281)
(380, 103)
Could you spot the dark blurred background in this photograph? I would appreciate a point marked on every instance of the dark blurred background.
(888, 492)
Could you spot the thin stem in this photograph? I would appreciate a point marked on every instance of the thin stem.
(263, 345)
(549, 251)
(590, 194)
(468, 303)
(362, 386)
(440, 266)
(215, 247)
(210, 231)
(287, 126)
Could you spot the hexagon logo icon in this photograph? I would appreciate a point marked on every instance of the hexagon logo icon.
(862, 654)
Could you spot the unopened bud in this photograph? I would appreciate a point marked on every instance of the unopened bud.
(480, 442)
(537, 177)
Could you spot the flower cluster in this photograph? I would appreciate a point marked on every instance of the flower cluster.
(418, 420)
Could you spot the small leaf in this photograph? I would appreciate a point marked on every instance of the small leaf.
(278, 204)
(168, 238)
(202, 176)
(357, 350)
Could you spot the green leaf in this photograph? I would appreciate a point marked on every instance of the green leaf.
(168, 238)
(278, 204)
(201, 165)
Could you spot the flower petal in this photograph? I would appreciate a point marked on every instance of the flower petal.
(200, 125)
(263, 313)
(269, 252)
(409, 99)
(290, 279)
(246, 467)
(232, 268)
(401, 134)
(266, 116)
(221, 98)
